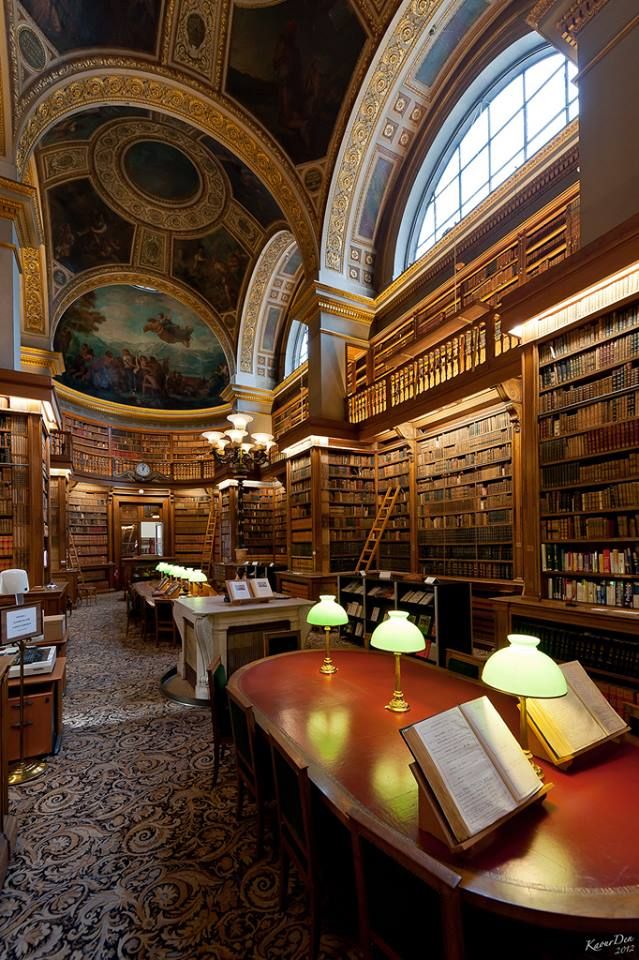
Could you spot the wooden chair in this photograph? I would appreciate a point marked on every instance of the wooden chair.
(296, 832)
(409, 905)
(220, 715)
(252, 761)
(163, 620)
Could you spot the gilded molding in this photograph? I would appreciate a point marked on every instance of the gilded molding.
(19, 202)
(101, 277)
(292, 378)
(155, 88)
(393, 57)
(575, 19)
(539, 12)
(49, 360)
(151, 250)
(63, 163)
(246, 229)
(260, 280)
(191, 50)
(34, 319)
(166, 417)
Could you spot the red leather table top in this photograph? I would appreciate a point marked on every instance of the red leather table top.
(575, 855)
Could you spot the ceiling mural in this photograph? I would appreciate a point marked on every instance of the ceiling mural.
(214, 266)
(290, 64)
(248, 189)
(140, 348)
(85, 232)
(123, 24)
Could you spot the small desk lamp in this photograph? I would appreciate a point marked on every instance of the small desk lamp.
(397, 635)
(198, 578)
(327, 613)
(523, 670)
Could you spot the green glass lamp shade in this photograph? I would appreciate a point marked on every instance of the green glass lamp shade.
(523, 670)
(397, 634)
(327, 613)
(160, 566)
(199, 576)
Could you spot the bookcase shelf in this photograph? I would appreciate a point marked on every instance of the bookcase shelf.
(588, 434)
(394, 470)
(190, 515)
(348, 499)
(301, 514)
(464, 499)
(88, 528)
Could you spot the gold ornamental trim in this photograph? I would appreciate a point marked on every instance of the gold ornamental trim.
(112, 275)
(575, 19)
(59, 95)
(34, 313)
(391, 63)
(146, 414)
(260, 280)
(49, 360)
(19, 202)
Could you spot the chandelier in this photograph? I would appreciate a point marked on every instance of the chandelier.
(229, 447)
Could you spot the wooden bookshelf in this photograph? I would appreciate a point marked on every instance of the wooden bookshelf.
(348, 503)
(588, 435)
(394, 469)
(256, 522)
(15, 485)
(88, 526)
(300, 487)
(190, 516)
(465, 499)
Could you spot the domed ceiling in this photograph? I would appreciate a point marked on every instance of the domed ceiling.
(153, 196)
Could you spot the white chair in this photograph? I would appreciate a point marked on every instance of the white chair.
(14, 581)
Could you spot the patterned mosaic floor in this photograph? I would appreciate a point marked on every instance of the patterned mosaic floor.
(124, 851)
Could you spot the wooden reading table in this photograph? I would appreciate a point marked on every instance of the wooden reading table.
(570, 864)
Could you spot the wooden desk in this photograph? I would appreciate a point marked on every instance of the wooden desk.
(43, 712)
(53, 601)
(204, 624)
(571, 863)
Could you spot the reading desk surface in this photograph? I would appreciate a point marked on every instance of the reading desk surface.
(571, 862)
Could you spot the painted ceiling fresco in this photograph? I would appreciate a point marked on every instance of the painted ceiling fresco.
(142, 349)
(291, 64)
(125, 24)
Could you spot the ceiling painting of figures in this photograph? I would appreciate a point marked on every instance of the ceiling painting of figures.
(85, 231)
(291, 64)
(122, 24)
(141, 348)
(213, 265)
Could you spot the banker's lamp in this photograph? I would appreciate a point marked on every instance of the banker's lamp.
(198, 578)
(397, 635)
(524, 671)
(328, 614)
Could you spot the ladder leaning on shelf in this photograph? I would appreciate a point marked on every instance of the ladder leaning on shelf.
(377, 530)
(86, 591)
(209, 540)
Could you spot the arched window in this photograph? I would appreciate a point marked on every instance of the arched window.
(296, 347)
(514, 118)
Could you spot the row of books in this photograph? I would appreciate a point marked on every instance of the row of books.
(435, 493)
(592, 415)
(467, 520)
(612, 437)
(621, 378)
(582, 364)
(611, 469)
(451, 481)
(611, 593)
(467, 534)
(421, 597)
(612, 653)
(469, 505)
(482, 569)
(470, 551)
(610, 324)
(625, 561)
(354, 609)
(465, 462)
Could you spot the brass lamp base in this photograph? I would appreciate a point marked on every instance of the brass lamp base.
(397, 704)
(328, 666)
(24, 770)
(535, 766)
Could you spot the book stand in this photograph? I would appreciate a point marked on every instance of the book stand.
(433, 820)
(539, 746)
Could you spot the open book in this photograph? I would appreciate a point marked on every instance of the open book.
(473, 765)
(566, 726)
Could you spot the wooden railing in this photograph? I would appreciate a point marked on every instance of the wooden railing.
(464, 352)
(110, 468)
(61, 447)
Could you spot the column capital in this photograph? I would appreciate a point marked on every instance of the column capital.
(19, 204)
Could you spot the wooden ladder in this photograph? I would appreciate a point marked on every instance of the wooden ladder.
(377, 530)
(209, 540)
(86, 591)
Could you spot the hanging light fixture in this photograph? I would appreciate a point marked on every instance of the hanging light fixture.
(231, 447)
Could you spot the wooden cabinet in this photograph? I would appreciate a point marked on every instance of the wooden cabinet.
(42, 711)
(7, 823)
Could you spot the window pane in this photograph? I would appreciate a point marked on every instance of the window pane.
(500, 175)
(573, 110)
(505, 104)
(428, 225)
(451, 170)
(447, 202)
(477, 198)
(545, 105)
(546, 134)
(475, 175)
(475, 139)
(537, 75)
(447, 225)
(507, 143)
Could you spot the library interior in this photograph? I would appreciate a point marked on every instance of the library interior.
(359, 398)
